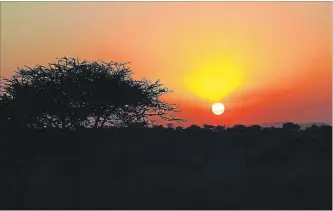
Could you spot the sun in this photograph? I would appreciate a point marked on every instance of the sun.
(218, 108)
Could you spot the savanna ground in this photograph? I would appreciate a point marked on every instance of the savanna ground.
(167, 168)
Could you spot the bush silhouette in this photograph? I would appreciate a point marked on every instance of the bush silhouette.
(291, 126)
(70, 94)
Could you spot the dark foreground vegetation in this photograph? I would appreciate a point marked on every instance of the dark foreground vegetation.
(164, 168)
(80, 135)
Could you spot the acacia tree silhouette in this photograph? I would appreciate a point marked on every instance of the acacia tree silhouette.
(70, 94)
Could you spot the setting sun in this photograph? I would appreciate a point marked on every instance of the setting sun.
(218, 108)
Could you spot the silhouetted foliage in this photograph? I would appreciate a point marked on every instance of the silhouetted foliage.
(193, 128)
(291, 126)
(255, 128)
(239, 128)
(209, 127)
(219, 128)
(70, 94)
(166, 168)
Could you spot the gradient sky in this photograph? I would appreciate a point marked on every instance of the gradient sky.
(266, 61)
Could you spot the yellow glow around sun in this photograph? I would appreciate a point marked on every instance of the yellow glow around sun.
(215, 79)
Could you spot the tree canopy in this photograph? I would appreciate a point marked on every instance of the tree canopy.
(70, 93)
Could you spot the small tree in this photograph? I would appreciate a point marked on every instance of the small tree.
(194, 128)
(291, 126)
(209, 127)
(69, 94)
(220, 128)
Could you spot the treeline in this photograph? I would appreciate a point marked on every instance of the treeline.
(167, 168)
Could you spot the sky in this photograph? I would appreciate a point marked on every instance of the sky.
(265, 61)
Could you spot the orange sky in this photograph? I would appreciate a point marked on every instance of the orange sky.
(266, 61)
